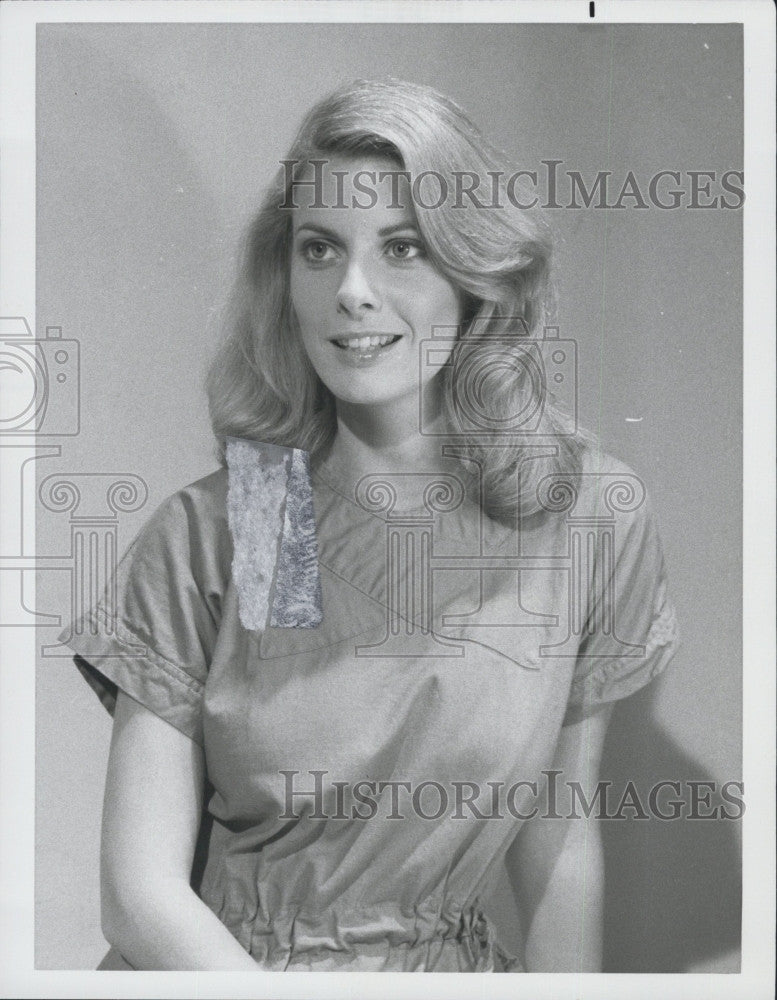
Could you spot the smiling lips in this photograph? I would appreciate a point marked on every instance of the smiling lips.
(365, 343)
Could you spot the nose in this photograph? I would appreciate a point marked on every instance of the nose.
(357, 293)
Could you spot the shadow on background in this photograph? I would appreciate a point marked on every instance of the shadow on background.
(673, 894)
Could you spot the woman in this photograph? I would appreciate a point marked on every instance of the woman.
(376, 648)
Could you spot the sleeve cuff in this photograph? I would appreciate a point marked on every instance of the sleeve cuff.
(620, 677)
(110, 657)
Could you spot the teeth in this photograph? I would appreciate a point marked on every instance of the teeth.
(363, 343)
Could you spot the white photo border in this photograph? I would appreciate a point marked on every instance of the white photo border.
(18, 21)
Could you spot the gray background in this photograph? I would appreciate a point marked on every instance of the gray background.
(154, 142)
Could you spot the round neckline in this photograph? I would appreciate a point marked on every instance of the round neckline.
(469, 514)
(394, 514)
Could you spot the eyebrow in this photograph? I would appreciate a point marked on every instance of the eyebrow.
(386, 231)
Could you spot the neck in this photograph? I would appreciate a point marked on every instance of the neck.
(386, 437)
(387, 440)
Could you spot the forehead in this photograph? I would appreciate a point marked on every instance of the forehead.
(370, 190)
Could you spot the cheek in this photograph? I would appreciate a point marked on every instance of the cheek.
(312, 298)
(300, 294)
(439, 302)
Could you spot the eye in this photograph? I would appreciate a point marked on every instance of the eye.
(318, 251)
(405, 249)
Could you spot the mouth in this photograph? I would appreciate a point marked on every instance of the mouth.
(365, 343)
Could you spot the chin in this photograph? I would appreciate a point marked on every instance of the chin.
(353, 398)
(365, 394)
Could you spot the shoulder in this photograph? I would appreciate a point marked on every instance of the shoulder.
(607, 488)
(202, 502)
(205, 499)
(614, 501)
(189, 529)
(602, 494)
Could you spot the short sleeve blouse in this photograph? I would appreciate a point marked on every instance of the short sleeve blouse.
(154, 632)
(634, 606)
(450, 652)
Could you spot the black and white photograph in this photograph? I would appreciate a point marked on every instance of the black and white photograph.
(387, 499)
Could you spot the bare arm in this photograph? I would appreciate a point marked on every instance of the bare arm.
(151, 815)
(556, 866)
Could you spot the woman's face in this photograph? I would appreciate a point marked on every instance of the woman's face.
(363, 289)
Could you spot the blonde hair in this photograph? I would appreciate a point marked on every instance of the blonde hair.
(262, 386)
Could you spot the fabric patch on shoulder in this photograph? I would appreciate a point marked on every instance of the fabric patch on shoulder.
(297, 597)
(270, 512)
